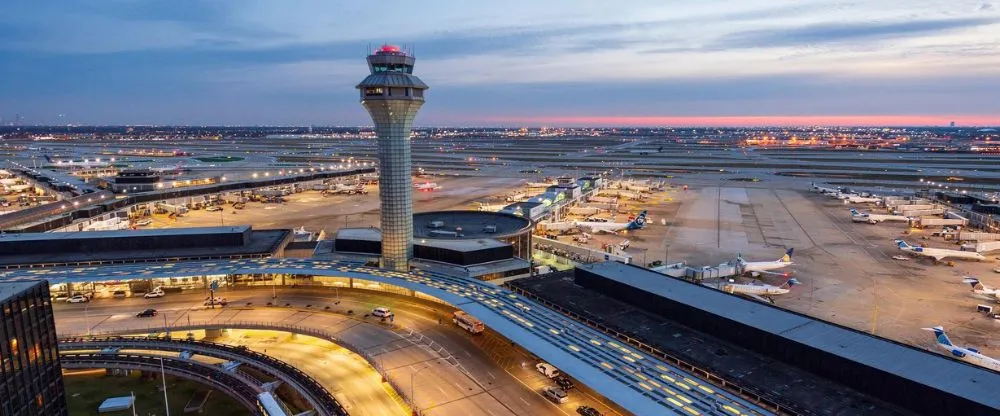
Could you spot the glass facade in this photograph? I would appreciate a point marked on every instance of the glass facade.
(30, 376)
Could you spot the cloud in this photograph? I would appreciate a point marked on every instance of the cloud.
(846, 32)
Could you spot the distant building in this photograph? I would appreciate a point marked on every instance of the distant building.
(952, 124)
(30, 375)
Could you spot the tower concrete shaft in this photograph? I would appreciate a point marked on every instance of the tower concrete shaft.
(392, 96)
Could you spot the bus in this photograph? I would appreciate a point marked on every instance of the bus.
(467, 322)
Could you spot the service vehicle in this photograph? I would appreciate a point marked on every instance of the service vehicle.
(467, 322)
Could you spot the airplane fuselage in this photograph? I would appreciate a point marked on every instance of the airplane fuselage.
(972, 357)
(941, 254)
(759, 290)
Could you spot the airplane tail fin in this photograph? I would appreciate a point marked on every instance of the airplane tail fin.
(971, 280)
(854, 212)
(902, 244)
(639, 221)
(789, 283)
(48, 158)
(939, 334)
(788, 255)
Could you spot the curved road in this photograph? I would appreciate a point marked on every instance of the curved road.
(441, 387)
(638, 382)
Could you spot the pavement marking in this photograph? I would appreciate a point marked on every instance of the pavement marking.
(524, 401)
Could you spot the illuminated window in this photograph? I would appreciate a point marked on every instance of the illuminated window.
(39, 401)
(373, 91)
(13, 346)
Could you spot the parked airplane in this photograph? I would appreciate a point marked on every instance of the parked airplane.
(981, 290)
(870, 218)
(969, 355)
(344, 189)
(822, 190)
(755, 268)
(858, 199)
(427, 186)
(939, 254)
(612, 227)
(761, 292)
(176, 170)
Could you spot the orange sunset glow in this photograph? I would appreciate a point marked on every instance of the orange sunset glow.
(859, 120)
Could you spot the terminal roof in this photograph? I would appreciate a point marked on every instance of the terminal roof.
(473, 224)
(961, 379)
(194, 232)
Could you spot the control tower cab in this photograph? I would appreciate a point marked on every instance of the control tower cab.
(393, 95)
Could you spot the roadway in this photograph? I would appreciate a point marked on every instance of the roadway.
(493, 391)
(640, 383)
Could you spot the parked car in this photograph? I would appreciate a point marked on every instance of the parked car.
(556, 394)
(564, 383)
(218, 300)
(78, 299)
(213, 208)
(146, 313)
(119, 294)
(548, 370)
(587, 411)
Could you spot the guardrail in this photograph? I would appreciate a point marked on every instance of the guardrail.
(758, 397)
(312, 390)
(236, 386)
(404, 333)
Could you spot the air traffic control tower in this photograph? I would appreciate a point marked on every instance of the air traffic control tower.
(392, 95)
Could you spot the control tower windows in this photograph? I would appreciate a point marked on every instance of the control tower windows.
(373, 92)
(392, 67)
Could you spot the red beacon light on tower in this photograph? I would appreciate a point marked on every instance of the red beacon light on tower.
(389, 49)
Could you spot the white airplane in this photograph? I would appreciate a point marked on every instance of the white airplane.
(761, 292)
(756, 268)
(427, 186)
(613, 227)
(939, 254)
(870, 218)
(822, 190)
(176, 170)
(969, 355)
(981, 290)
(858, 199)
(340, 188)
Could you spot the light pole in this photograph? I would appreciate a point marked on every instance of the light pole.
(163, 378)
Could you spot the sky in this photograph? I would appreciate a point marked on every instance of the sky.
(505, 63)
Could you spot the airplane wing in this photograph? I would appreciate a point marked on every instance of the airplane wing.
(758, 297)
(770, 273)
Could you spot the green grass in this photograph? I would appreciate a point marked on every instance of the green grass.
(219, 159)
(86, 392)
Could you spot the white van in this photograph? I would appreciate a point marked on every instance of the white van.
(382, 312)
(547, 369)
(555, 394)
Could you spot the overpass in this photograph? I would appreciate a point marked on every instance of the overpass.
(311, 390)
(635, 380)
